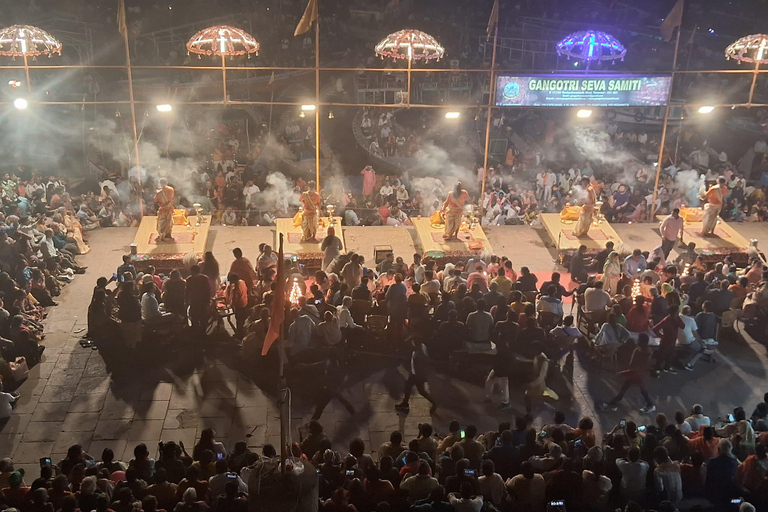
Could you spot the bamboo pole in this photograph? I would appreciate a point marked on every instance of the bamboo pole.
(491, 94)
(133, 109)
(317, 104)
(664, 128)
(371, 70)
(754, 82)
(409, 80)
(224, 76)
(26, 72)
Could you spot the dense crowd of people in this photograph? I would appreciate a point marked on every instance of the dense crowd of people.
(481, 308)
(41, 234)
(668, 465)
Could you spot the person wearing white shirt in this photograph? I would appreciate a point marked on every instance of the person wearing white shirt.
(681, 424)
(418, 269)
(6, 401)
(34, 185)
(300, 332)
(249, 191)
(385, 191)
(667, 475)
(697, 419)
(150, 310)
(491, 484)
(633, 475)
(345, 315)
(351, 218)
(464, 501)
(688, 338)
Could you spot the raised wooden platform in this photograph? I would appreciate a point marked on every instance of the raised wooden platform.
(306, 253)
(433, 245)
(726, 241)
(561, 233)
(167, 255)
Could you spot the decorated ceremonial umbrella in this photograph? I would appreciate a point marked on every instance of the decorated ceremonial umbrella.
(752, 49)
(591, 45)
(224, 41)
(27, 41)
(411, 45)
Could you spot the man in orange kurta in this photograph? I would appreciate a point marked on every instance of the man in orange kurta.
(453, 208)
(311, 201)
(715, 197)
(164, 199)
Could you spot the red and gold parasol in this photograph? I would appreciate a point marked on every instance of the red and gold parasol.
(410, 44)
(223, 41)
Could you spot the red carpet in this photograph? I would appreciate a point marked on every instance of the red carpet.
(178, 238)
(464, 236)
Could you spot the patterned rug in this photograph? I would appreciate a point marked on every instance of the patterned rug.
(696, 233)
(464, 236)
(295, 238)
(594, 234)
(178, 238)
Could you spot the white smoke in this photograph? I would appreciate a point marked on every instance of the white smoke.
(689, 182)
(435, 161)
(279, 193)
(596, 144)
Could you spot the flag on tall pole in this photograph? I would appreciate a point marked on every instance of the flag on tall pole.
(121, 26)
(278, 304)
(673, 19)
(307, 19)
(493, 21)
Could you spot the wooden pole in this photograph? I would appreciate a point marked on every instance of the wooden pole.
(664, 128)
(271, 106)
(491, 95)
(133, 109)
(317, 104)
(751, 89)
(224, 76)
(283, 389)
(26, 72)
(409, 81)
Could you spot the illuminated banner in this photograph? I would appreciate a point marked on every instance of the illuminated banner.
(587, 90)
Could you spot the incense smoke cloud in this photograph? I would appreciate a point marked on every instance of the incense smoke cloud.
(435, 161)
(689, 183)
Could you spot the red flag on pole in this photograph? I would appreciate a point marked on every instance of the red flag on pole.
(278, 305)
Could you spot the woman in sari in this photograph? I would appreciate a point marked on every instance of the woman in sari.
(75, 230)
(612, 273)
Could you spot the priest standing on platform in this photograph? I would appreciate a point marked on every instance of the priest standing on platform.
(588, 208)
(311, 201)
(164, 199)
(714, 197)
(453, 208)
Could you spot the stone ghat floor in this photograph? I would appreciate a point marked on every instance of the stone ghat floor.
(75, 396)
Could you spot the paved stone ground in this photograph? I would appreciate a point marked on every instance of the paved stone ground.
(76, 396)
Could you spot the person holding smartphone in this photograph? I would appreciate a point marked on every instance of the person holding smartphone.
(218, 482)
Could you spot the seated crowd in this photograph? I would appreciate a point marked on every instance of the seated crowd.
(668, 465)
(41, 233)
